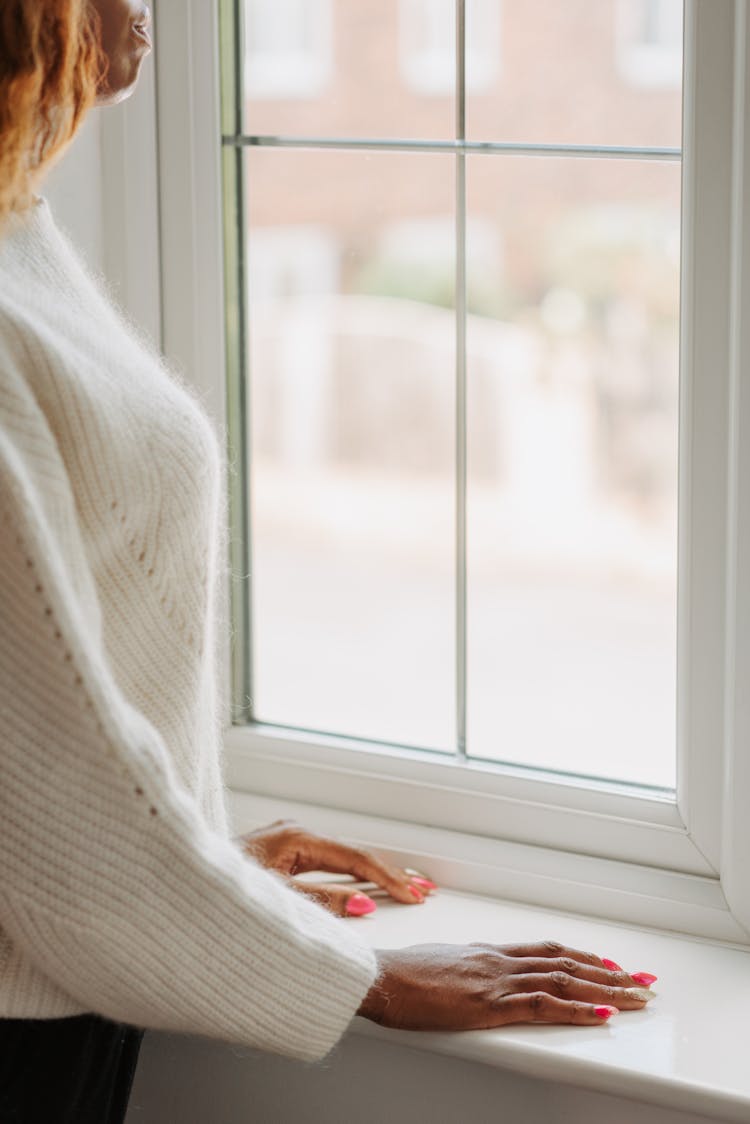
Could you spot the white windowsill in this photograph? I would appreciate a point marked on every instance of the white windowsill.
(687, 1050)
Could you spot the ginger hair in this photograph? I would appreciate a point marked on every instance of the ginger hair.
(50, 68)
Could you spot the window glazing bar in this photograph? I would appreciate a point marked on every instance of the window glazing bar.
(459, 146)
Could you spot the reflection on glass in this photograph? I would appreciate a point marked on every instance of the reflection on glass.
(374, 68)
(352, 358)
(603, 72)
(573, 419)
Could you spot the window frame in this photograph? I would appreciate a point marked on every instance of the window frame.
(596, 848)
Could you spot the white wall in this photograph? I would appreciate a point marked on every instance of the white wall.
(95, 200)
(196, 1081)
(74, 191)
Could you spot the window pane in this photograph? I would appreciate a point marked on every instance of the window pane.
(374, 68)
(351, 260)
(604, 72)
(572, 521)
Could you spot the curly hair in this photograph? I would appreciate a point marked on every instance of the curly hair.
(50, 67)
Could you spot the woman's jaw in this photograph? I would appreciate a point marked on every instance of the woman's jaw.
(125, 40)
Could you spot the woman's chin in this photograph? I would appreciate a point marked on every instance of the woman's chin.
(106, 97)
(118, 86)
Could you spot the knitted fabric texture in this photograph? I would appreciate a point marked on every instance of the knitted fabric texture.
(121, 892)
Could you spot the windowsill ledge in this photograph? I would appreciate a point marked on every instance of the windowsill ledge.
(687, 1050)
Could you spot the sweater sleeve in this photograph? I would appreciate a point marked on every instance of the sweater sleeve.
(111, 882)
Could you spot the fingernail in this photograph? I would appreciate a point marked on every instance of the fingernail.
(424, 882)
(605, 1012)
(359, 904)
(413, 890)
(611, 965)
(639, 993)
(644, 978)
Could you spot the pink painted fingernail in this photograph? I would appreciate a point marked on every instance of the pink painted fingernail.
(605, 1012)
(611, 965)
(413, 890)
(644, 978)
(424, 882)
(359, 904)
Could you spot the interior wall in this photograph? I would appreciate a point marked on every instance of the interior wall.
(74, 192)
(184, 1080)
(104, 194)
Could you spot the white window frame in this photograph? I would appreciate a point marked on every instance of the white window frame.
(598, 849)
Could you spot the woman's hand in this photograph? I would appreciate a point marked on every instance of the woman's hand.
(476, 986)
(289, 849)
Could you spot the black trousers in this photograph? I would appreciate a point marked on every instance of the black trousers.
(77, 1070)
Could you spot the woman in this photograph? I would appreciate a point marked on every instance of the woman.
(124, 904)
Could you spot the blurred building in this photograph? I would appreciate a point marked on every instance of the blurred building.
(572, 263)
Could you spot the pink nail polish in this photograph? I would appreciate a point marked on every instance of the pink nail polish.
(424, 882)
(611, 965)
(359, 904)
(605, 1012)
(413, 890)
(645, 979)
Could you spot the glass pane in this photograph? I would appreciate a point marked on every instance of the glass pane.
(374, 68)
(573, 419)
(603, 72)
(352, 357)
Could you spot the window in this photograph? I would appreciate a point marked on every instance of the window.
(378, 609)
(616, 229)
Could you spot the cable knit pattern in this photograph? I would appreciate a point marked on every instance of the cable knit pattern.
(120, 890)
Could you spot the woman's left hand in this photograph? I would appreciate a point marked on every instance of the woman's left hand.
(286, 847)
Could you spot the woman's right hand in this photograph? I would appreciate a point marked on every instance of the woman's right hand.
(477, 986)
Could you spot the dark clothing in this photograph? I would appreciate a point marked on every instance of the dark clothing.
(76, 1070)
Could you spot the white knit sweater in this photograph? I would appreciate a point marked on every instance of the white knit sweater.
(120, 890)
